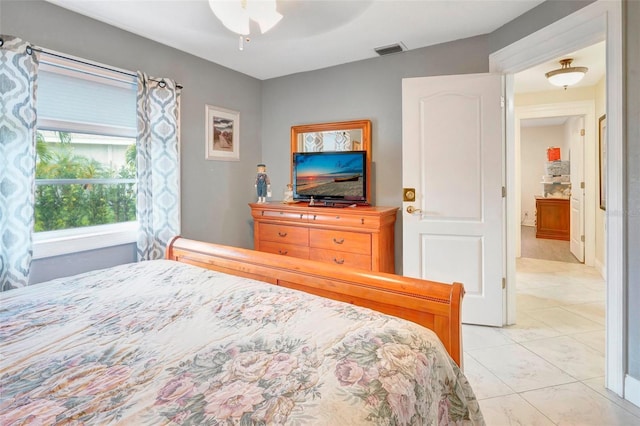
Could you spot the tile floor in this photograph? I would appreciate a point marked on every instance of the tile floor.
(548, 369)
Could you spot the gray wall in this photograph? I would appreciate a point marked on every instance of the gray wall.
(63, 266)
(632, 103)
(214, 193)
(539, 17)
(369, 89)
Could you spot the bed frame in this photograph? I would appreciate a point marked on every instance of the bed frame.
(430, 304)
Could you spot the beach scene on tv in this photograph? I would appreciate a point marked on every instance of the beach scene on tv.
(330, 175)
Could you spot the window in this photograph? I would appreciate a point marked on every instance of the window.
(84, 180)
(86, 157)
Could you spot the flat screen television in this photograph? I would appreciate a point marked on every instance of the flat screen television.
(330, 177)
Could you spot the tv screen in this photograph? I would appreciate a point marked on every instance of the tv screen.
(339, 176)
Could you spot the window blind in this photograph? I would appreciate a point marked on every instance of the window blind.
(85, 99)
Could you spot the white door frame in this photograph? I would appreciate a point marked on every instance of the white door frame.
(582, 108)
(595, 22)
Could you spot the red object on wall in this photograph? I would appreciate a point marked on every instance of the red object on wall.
(553, 153)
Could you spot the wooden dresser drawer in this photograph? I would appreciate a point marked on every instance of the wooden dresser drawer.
(360, 237)
(351, 242)
(284, 234)
(344, 220)
(285, 249)
(334, 257)
(282, 215)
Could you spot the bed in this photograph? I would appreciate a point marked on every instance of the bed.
(217, 335)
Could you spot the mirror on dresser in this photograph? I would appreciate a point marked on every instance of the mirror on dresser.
(334, 136)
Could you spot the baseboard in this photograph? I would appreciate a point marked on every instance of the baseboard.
(529, 223)
(600, 267)
(632, 390)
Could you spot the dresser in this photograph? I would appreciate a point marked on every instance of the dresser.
(552, 218)
(359, 237)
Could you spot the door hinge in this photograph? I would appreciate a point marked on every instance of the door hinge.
(582, 238)
(581, 132)
(581, 185)
(501, 101)
(504, 283)
(504, 192)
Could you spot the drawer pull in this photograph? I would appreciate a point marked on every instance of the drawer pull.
(301, 215)
(282, 234)
(362, 221)
(340, 241)
(314, 217)
(283, 252)
(339, 262)
(337, 217)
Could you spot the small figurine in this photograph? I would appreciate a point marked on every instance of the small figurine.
(263, 184)
(288, 194)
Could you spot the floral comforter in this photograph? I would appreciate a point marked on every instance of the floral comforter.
(162, 342)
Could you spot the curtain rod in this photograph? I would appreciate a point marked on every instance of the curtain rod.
(104, 67)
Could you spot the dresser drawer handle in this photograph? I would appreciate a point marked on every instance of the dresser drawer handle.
(337, 217)
(362, 221)
(338, 261)
(283, 252)
(340, 241)
(282, 234)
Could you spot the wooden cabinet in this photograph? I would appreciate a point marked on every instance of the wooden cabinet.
(359, 237)
(552, 218)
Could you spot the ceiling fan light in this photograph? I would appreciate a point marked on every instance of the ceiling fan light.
(268, 22)
(235, 14)
(567, 75)
(232, 14)
(264, 13)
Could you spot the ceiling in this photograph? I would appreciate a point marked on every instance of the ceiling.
(316, 34)
(312, 35)
(592, 57)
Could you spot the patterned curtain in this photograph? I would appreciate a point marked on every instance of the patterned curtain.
(158, 165)
(343, 141)
(312, 142)
(18, 86)
(327, 141)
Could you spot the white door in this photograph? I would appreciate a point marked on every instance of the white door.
(576, 164)
(452, 154)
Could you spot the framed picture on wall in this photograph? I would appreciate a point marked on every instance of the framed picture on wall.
(223, 134)
(602, 146)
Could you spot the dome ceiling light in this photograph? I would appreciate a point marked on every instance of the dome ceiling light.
(236, 14)
(567, 75)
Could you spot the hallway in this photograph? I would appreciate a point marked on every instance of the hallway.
(542, 248)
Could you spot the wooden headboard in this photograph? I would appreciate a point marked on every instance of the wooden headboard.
(430, 304)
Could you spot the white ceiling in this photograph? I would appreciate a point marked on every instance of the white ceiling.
(312, 34)
(544, 121)
(316, 34)
(592, 57)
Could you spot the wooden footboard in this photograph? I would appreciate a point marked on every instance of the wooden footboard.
(430, 304)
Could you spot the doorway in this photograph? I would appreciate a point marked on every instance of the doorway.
(592, 218)
(594, 23)
(552, 194)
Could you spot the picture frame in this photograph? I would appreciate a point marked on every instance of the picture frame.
(602, 147)
(222, 134)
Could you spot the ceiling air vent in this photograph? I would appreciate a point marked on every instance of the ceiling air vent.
(392, 48)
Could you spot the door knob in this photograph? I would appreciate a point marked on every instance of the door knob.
(412, 210)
